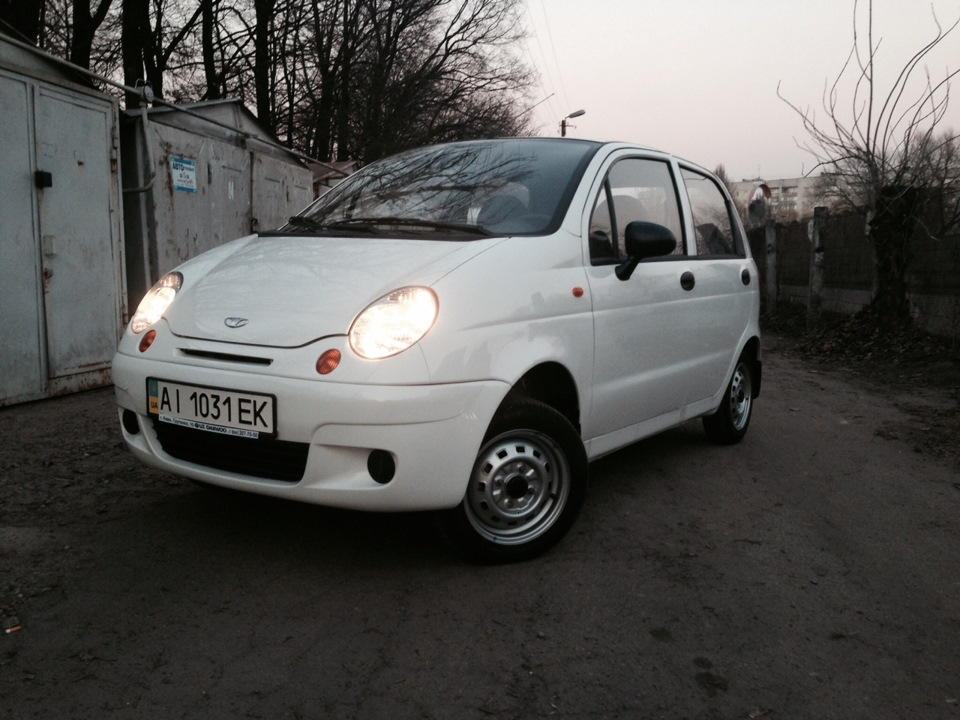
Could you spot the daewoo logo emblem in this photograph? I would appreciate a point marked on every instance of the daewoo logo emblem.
(235, 322)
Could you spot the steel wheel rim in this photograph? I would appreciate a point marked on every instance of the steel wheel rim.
(518, 487)
(740, 397)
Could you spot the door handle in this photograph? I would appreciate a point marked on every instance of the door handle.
(687, 280)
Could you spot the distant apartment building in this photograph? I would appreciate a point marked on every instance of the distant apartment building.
(785, 199)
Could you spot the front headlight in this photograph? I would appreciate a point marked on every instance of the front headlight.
(156, 302)
(394, 322)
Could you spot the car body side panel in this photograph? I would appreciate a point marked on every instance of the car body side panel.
(643, 360)
(494, 325)
(664, 354)
(721, 307)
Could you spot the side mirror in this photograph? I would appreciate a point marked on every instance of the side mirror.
(644, 240)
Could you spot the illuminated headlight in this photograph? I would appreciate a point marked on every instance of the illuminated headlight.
(394, 322)
(156, 302)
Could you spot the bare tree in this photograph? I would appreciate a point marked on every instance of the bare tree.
(208, 48)
(438, 70)
(263, 61)
(23, 20)
(336, 79)
(341, 34)
(135, 29)
(883, 151)
(85, 25)
(383, 75)
(56, 27)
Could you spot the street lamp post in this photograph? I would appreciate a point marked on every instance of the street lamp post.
(563, 122)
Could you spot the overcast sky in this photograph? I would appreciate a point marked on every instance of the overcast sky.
(699, 78)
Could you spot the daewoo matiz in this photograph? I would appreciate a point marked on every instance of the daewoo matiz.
(459, 328)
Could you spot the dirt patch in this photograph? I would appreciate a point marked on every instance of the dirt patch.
(921, 372)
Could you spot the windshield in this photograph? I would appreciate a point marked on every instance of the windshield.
(515, 186)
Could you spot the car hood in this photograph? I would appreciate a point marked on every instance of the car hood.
(289, 291)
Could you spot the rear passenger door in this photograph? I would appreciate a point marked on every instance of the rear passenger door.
(725, 281)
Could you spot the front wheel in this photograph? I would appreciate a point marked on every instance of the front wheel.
(527, 486)
(729, 423)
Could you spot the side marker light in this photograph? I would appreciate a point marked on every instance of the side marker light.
(328, 362)
(147, 340)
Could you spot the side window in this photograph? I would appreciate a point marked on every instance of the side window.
(715, 230)
(635, 189)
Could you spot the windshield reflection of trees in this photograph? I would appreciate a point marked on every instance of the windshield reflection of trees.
(502, 185)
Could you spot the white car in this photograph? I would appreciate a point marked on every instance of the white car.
(459, 328)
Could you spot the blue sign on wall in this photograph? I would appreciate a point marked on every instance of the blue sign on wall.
(184, 174)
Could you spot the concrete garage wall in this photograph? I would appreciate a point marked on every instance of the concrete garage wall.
(62, 292)
(197, 177)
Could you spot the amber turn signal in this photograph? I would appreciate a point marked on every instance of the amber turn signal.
(328, 362)
(147, 340)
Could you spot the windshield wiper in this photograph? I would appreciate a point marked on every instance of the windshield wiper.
(302, 221)
(367, 224)
(311, 224)
(414, 222)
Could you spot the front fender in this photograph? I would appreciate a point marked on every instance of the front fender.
(524, 303)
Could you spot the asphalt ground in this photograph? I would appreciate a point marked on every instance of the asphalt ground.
(813, 571)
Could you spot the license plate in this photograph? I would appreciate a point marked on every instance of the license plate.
(228, 412)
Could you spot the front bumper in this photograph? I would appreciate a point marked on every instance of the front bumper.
(431, 432)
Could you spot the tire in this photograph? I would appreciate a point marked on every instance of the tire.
(729, 423)
(526, 488)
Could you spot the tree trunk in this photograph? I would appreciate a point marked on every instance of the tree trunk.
(262, 63)
(891, 232)
(25, 18)
(85, 26)
(208, 51)
(133, 33)
(82, 42)
(890, 301)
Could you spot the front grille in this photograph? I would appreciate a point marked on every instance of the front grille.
(267, 459)
(226, 357)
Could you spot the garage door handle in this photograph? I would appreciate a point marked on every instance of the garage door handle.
(687, 280)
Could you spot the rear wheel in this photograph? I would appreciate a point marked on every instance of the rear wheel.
(526, 488)
(729, 423)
